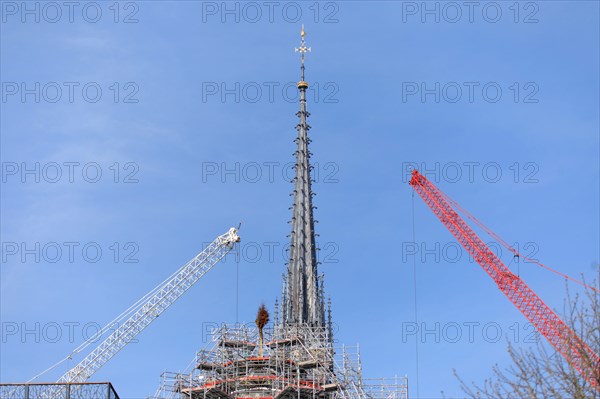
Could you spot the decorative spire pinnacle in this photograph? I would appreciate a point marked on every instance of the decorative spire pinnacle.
(302, 50)
(303, 294)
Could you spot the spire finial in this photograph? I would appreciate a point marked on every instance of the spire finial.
(302, 50)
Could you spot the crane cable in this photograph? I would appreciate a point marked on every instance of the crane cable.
(102, 332)
(237, 280)
(237, 288)
(508, 246)
(49, 369)
(415, 291)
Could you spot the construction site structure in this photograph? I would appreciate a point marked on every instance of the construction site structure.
(294, 364)
(299, 360)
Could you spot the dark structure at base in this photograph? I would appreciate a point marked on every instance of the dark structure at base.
(86, 390)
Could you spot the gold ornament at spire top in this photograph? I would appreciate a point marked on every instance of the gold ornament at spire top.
(302, 49)
(302, 84)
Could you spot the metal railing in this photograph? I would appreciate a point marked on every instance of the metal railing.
(86, 390)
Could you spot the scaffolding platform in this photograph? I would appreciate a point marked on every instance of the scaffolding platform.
(331, 387)
(230, 343)
(289, 341)
(308, 364)
(207, 393)
(208, 366)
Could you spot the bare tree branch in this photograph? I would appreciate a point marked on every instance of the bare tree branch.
(540, 371)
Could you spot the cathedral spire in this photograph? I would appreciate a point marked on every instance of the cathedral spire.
(303, 297)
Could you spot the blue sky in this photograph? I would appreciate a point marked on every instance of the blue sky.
(164, 123)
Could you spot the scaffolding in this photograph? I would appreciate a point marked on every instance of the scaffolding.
(298, 362)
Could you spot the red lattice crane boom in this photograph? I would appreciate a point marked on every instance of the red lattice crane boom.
(561, 336)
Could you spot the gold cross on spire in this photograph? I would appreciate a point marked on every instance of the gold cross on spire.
(302, 49)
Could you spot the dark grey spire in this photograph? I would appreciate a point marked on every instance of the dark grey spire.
(303, 296)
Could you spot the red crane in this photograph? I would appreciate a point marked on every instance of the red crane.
(560, 335)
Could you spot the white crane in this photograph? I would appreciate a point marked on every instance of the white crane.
(148, 308)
